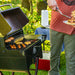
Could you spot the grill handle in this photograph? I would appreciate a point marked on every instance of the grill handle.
(6, 5)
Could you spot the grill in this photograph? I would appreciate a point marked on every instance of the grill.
(17, 50)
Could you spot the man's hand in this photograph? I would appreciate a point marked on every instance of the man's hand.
(52, 4)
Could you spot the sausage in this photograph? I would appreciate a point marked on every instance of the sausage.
(11, 38)
(23, 45)
(11, 46)
(14, 46)
(19, 46)
(7, 40)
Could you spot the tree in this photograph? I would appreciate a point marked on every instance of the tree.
(28, 4)
(41, 5)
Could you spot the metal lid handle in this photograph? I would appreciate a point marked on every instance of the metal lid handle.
(6, 5)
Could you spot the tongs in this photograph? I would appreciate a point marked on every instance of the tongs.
(57, 9)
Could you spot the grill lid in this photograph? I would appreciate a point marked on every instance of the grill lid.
(4, 26)
(12, 19)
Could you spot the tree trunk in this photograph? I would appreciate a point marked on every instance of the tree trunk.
(31, 7)
(41, 6)
(26, 4)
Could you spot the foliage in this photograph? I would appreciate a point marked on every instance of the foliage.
(42, 0)
(62, 63)
(46, 45)
(62, 60)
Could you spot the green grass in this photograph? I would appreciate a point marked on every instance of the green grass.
(63, 71)
(40, 72)
(31, 71)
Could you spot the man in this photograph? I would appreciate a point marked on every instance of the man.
(69, 2)
(59, 33)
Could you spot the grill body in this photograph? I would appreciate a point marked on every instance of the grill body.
(18, 59)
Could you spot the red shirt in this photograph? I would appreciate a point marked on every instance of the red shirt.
(57, 19)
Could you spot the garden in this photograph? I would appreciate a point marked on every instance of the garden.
(33, 11)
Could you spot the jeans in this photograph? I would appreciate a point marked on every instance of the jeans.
(57, 40)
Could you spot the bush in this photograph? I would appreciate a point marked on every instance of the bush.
(62, 63)
(62, 60)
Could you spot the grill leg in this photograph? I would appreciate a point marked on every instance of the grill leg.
(37, 62)
(12, 73)
(29, 72)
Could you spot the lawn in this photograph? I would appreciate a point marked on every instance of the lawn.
(40, 72)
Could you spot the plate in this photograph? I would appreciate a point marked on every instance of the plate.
(66, 22)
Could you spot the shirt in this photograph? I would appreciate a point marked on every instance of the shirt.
(57, 19)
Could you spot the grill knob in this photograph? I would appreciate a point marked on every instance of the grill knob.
(34, 50)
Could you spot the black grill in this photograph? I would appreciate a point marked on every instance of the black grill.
(17, 50)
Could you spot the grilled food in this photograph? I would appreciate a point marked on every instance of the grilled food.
(72, 20)
(18, 39)
(23, 45)
(9, 39)
(27, 42)
(19, 42)
(19, 46)
(13, 46)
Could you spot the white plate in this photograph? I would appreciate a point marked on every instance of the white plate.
(66, 22)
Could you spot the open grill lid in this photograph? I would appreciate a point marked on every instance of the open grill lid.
(12, 20)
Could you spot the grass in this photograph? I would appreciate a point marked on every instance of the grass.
(40, 72)
(31, 71)
(63, 71)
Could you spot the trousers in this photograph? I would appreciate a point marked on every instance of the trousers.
(57, 39)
